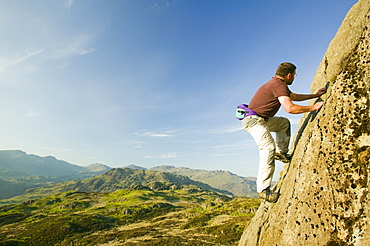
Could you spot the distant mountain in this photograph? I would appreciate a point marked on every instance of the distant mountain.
(95, 168)
(115, 179)
(223, 180)
(16, 164)
(20, 171)
(135, 167)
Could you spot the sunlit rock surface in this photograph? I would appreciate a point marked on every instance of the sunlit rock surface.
(325, 190)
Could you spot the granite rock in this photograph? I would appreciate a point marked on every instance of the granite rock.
(325, 189)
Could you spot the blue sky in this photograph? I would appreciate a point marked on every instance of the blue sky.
(150, 82)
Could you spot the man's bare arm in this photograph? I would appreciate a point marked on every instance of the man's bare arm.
(292, 108)
(302, 97)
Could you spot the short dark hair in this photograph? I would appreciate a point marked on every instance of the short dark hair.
(285, 68)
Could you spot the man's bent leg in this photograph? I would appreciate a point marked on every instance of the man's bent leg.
(281, 126)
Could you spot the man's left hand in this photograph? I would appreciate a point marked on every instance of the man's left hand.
(321, 91)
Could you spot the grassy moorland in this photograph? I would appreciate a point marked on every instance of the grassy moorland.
(167, 215)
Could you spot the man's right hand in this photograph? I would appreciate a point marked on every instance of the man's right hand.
(317, 106)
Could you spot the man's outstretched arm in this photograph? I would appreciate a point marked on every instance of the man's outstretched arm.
(302, 97)
(292, 108)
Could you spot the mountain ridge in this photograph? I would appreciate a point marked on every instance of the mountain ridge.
(32, 165)
(116, 179)
(17, 179)
(237, 185)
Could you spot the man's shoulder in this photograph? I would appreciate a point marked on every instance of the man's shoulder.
(275, 82)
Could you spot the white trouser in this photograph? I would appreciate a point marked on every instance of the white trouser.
(260, 129)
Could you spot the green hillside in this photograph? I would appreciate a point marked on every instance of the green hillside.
(20, 171)
(13, 187)
(174, 216)
(113, 180)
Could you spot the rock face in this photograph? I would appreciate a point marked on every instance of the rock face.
(325, 189)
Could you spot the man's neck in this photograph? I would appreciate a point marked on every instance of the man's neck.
(285, 80)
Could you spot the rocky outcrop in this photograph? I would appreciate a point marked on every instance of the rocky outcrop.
(325, 189)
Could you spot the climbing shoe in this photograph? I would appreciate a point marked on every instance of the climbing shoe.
(283, 157)
(269, 196)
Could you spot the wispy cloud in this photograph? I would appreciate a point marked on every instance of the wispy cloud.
(235, 146)
(26, 54)
(162, 156)
(216, 147)
(227, 130)
(159, 7)
(79, 45)
(152, 134)
(68, 4)
(19, 57)
(218, 155)
(156, 135)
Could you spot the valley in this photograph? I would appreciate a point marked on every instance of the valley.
(169, 215)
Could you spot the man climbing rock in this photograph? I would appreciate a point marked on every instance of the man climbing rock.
(265, 104)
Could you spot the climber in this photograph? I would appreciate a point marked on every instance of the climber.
(266, 103)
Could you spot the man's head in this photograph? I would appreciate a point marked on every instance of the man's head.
(286, 71)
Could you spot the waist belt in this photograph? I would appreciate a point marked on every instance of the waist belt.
(261, 116)
(243, 111)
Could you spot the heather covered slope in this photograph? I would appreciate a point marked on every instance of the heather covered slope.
(325, 190)
(181, 215)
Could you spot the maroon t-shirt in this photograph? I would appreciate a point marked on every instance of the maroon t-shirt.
(265, 102)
